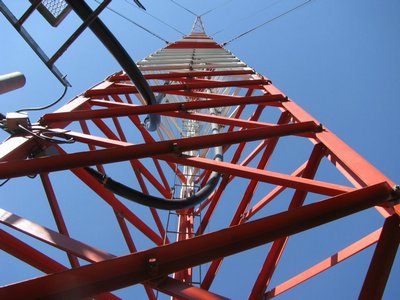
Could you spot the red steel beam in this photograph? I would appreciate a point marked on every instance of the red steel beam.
(182, 290)
(153, 263)
(351, 161)
(28, 254)
(214, 200)
(81, 159)
(326, 264)
(304, 184)
(16, 147)
(252, 186)
(132, 248)
(247, 196)
(360, 169)
(278, 246)
(177, 75)
(271, 195)
(148, 138)
(233, 169)
(197, 45)
(136, 164)
(217, 119)
(52, 237)
(118, 207)
(124, 109)
(130, 89)
(230, 168)
(58, 217)
(35, 258)
(382, 260)
(153, 211)
(353, 166)
(214, 96)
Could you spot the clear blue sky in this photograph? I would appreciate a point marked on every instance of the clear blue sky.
(339, 60)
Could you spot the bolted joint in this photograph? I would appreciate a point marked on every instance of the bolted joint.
(319, 128)
(176, 149)
(182, 107)
(152, 265)
(396, 194)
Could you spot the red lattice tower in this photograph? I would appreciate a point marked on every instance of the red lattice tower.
(272, 184)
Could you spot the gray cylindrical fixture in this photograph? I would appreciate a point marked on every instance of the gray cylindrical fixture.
(11, 81)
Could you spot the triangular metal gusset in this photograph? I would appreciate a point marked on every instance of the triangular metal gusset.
(281, 175)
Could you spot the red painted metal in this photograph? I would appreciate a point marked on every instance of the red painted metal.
(324, 265)
(129, 89)
(278, 246)
(55, 208)
(155, 262)
(255, 120)
(81, 159)
(182, 290)
(178, 75)
(123, 109)
(28, 254)
(382, 260)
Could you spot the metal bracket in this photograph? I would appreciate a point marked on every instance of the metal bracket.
(32, 43)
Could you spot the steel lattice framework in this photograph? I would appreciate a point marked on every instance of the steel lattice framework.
(257, 124)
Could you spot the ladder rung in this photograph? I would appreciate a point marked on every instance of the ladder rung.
(78, 31)
(28, 12)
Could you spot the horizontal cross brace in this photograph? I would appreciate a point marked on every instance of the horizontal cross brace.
(123, 109)
(156, 262)
(81, 159)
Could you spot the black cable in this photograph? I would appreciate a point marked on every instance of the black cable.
(158, 202)
(269, 21)
(139, 4)
(46, 106)
(156, 18)
(134, 23)
(152, 201)
(4, 182)
(101, 31)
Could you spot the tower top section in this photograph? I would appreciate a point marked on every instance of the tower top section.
(196, 39)
(198, 26)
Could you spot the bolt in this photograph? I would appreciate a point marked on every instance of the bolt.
(396, 195)
(153, 265)
(176, 149)
(320, 128)
(396, 191)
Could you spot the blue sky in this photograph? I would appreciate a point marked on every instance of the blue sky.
(339, 60)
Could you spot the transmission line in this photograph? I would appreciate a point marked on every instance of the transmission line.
(246, 17)
(181, 6)
(154, 17)
(266, 22)
(134, 23)
(218, 6)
